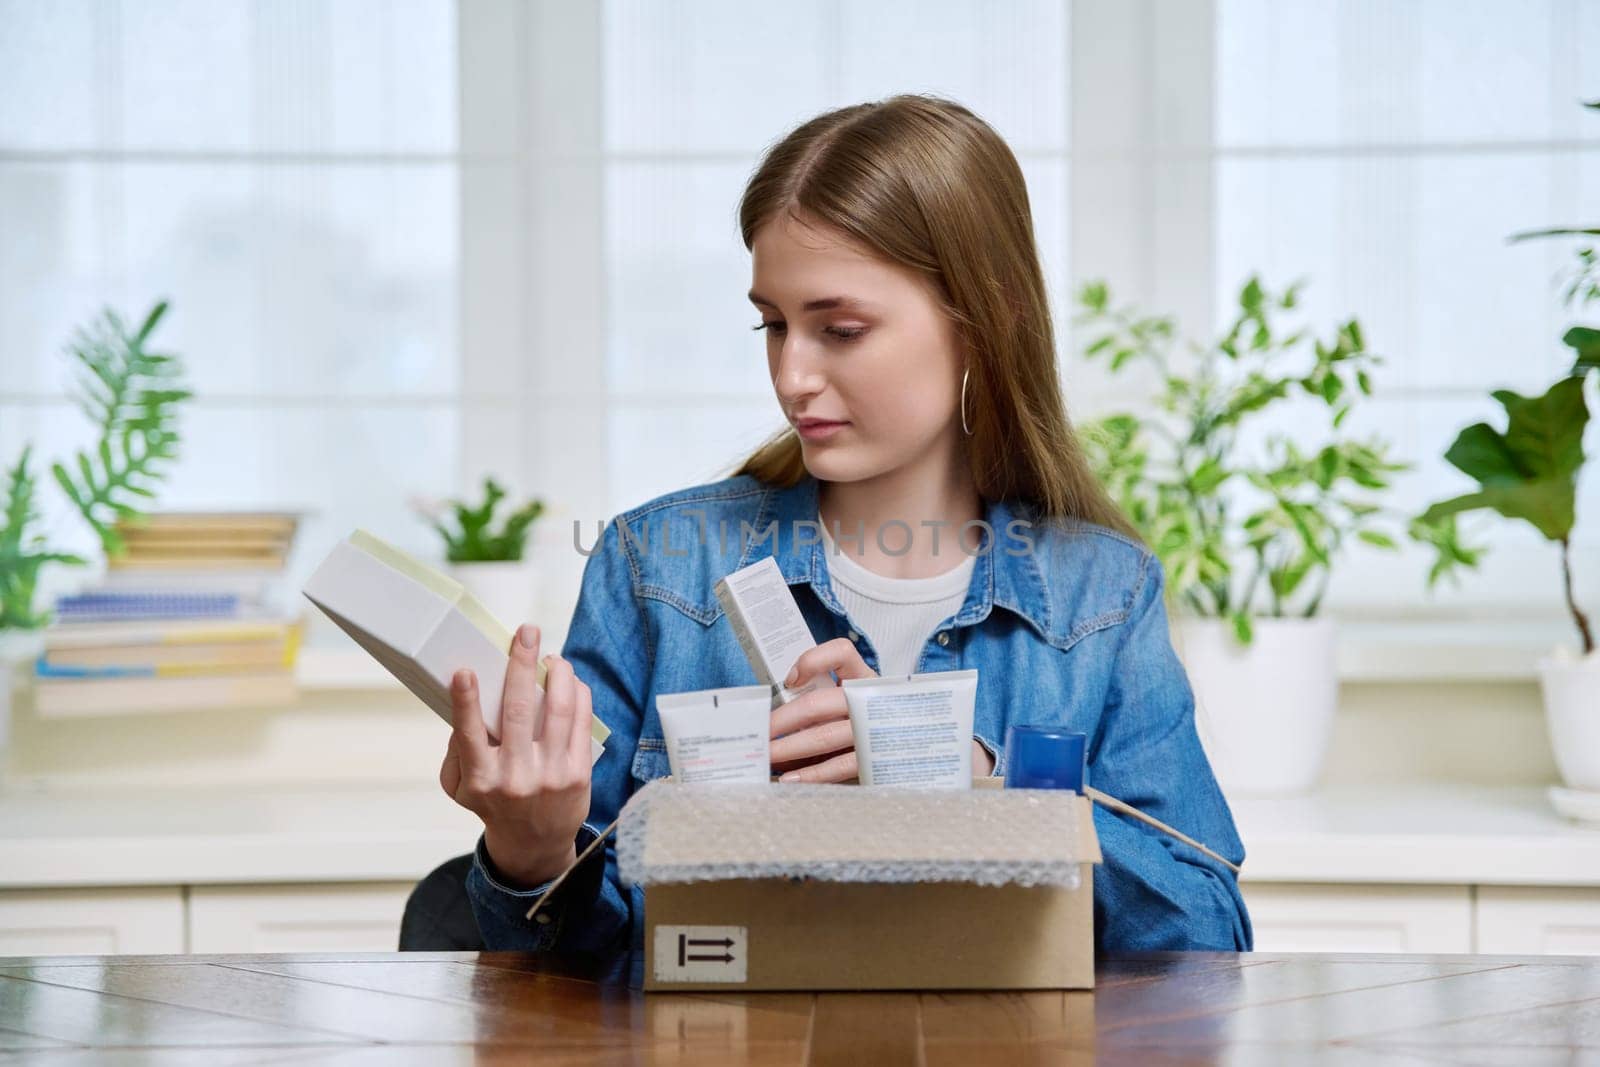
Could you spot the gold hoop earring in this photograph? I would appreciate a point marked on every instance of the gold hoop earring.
(964, 427)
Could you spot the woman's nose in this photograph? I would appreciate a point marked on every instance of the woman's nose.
(797, 374)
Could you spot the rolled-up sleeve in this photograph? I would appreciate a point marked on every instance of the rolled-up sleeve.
(502, 909)
(1154, 892)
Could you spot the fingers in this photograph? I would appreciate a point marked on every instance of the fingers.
(842, 768)
(839, 656)
(520, 699)
(982, 762)
(582, 727)
(823, 704)
(466, 718)
(450, 770)
(560, 707)
(816, 741)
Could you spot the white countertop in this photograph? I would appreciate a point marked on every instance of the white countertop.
(209, 836)
(1422, 834)
(1436, 834)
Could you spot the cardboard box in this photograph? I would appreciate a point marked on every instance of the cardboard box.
(828, 932)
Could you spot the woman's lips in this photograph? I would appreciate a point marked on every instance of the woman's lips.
(818, 429)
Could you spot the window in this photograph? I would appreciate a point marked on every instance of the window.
(288, 175)
(1430, 132)
(409, 244)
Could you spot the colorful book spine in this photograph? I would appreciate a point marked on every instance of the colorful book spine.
(43, 668)
(108, 607)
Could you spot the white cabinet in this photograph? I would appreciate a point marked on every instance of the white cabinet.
(1522, 920)
(214, 919)
(91, 922)
(296, 918)
(1360, 918)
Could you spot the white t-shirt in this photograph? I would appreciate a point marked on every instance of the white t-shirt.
(897, 615)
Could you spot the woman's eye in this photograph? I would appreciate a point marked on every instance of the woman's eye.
(842, 333)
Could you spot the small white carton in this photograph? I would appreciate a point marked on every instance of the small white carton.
(422, 625)
(768, 624)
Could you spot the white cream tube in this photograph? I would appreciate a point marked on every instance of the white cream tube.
(718, 735)
(914, 729)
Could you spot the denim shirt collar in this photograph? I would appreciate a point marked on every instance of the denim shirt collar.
(1000, 578)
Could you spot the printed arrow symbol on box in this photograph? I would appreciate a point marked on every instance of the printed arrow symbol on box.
(725, 958)
(726, 942)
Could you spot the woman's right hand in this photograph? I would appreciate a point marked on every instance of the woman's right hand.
(532, 792)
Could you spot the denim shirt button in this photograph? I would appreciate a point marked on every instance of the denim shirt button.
(854, 637)
(943, 638)
(543, 919)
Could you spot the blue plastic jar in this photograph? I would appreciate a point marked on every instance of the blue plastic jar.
(1045, 757)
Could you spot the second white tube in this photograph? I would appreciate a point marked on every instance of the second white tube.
(718, 735)
(914, 729)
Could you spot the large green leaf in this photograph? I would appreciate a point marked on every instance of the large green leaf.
(1530, 471)
(1585, 341)
(1548, 504)
(1480, 451)
(1545, 433)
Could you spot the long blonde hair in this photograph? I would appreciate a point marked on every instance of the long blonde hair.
(925, 183)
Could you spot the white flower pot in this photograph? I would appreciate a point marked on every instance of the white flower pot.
(18, 650)
(1264, 711)
(1571, 687)
(510, 589)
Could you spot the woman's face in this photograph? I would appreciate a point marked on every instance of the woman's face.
(864, 360)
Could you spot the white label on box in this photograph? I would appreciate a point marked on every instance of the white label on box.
(701, 953)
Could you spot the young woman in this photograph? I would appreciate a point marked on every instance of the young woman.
(930, 509)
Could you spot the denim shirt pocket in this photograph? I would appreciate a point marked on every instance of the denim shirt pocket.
(650, 760)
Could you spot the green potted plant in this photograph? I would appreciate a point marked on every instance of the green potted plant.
(132, 395)
(487, 554)
(1247, 522)
(1529, 472)
(24, 552)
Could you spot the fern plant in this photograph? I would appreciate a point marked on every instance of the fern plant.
(475, 538)
(23, 552)
(132, 395)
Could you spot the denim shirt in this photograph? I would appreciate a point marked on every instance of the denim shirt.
(1065, 625)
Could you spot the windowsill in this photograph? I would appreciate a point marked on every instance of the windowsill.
(1478, 650)
(1395, 651)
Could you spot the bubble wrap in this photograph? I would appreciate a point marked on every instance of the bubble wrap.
(675, 833)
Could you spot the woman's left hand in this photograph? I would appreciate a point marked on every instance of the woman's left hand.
(811, 736)
(817, 724)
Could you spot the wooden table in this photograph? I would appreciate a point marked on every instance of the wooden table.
(440, 1008)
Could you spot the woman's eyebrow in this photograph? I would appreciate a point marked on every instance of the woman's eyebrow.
(824, 304)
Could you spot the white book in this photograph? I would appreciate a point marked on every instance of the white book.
(422, 625)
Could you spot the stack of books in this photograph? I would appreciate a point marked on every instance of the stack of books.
(190, 617)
